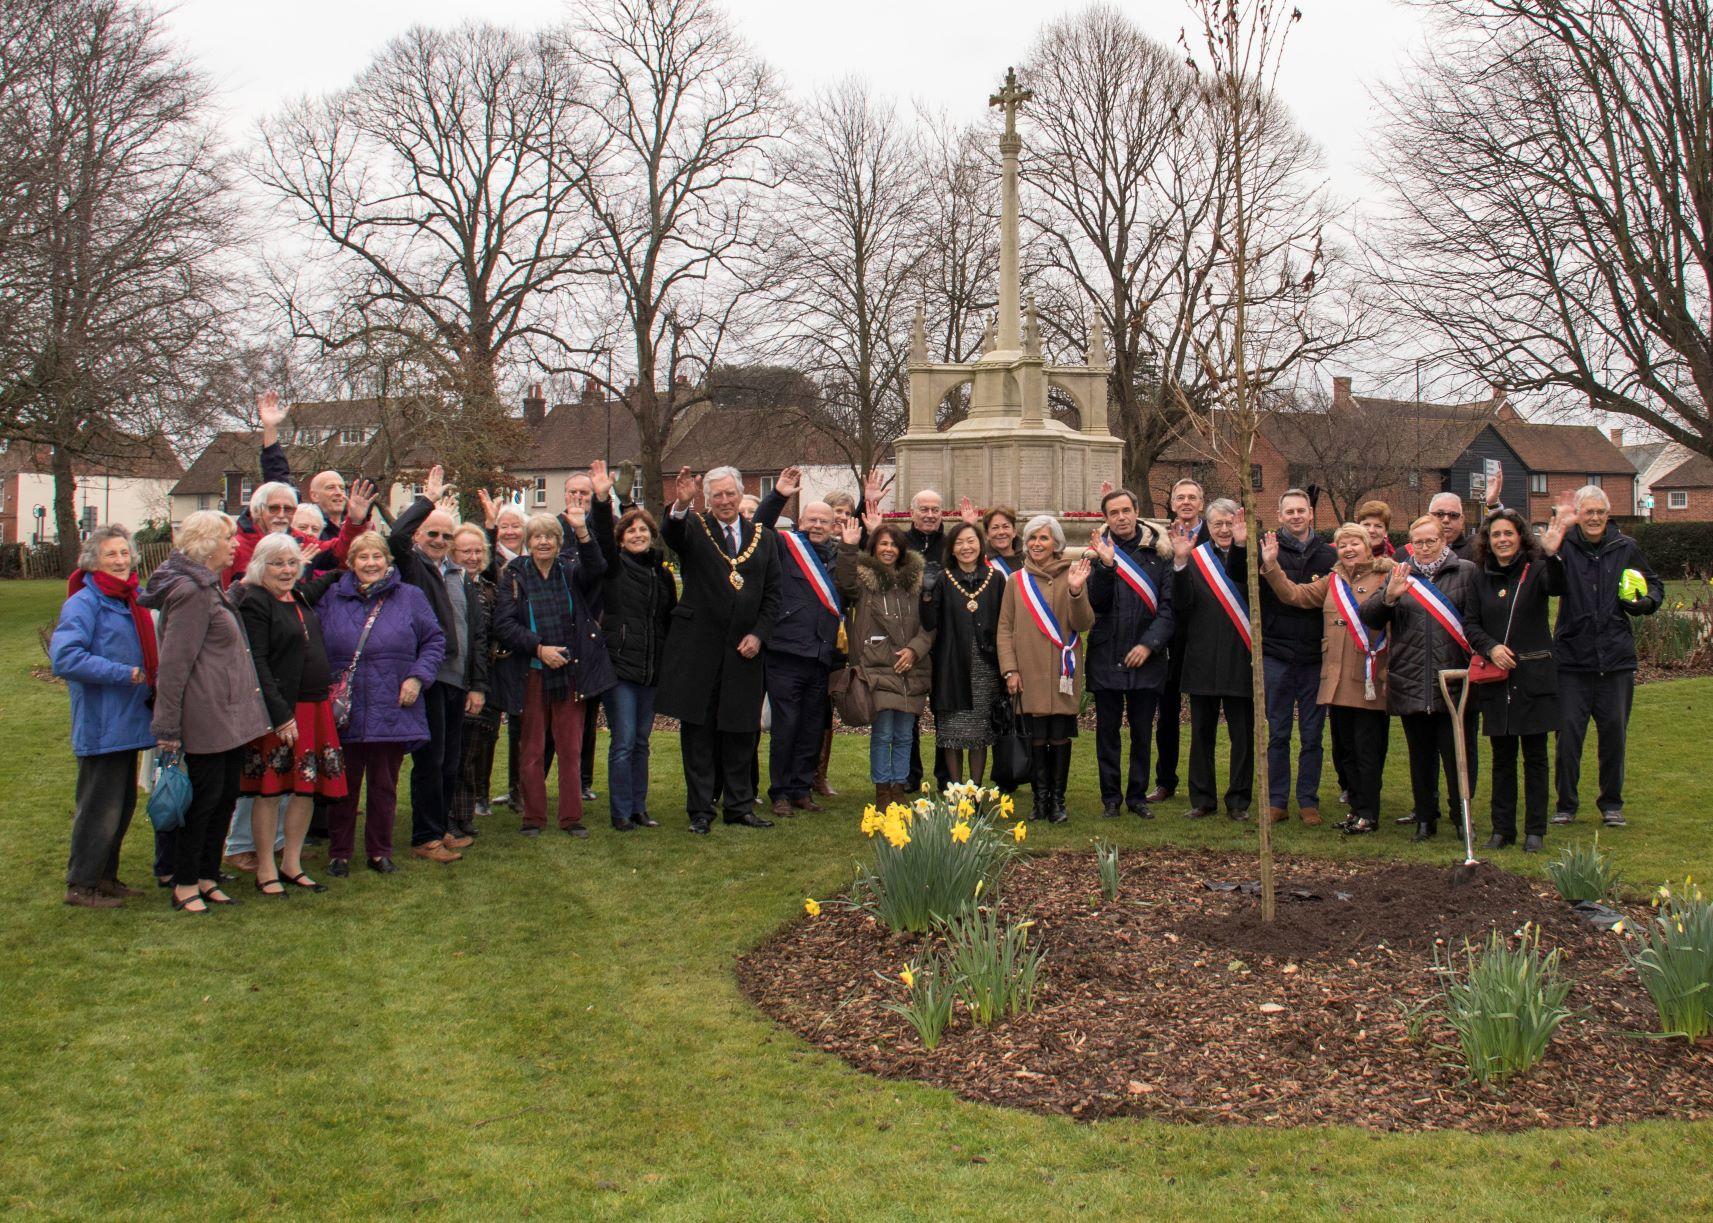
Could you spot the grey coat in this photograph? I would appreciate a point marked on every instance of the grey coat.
(207, 695)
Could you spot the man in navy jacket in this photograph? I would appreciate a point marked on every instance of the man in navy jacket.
(800, 651)
(1290, 649)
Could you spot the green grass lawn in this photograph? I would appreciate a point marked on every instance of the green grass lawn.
(551, 1029)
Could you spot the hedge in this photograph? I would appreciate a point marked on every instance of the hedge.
(1675, 549)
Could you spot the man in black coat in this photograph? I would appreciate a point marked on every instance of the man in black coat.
(1218, 661)
(1186, 502)
(799, 654)
(421, 544)
(1290, 660)
(1596, 651)
(712, 674)
(1127, 650)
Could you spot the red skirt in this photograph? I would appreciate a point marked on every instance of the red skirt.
(314, 765)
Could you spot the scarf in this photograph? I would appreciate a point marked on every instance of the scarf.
(1428, 570)
(126, 593)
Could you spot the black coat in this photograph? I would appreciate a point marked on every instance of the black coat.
(957, 629)
(590, 670)
(805, 628)
(704, 678)
(1526, 703)
(290, 656)
(1417, 648)
(1122, 621)
(416, 569)
(1180, 626)
(1593, 632)
(1216, 662)
(639, 594)
(1293, 634)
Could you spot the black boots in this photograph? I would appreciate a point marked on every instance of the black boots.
(1061, 780)
(1041, 780)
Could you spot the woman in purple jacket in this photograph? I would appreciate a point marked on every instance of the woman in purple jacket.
(387, 672)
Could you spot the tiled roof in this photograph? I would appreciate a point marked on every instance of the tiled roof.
(1564, 448)
(229, 451)
(1694, 472)
(121, 456)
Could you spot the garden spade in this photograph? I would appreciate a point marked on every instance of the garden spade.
(1466, 871)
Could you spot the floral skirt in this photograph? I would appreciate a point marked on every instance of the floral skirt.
(314, 765)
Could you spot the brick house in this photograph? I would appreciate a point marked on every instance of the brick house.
(1685, 493)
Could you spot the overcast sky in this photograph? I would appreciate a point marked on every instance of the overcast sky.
(946, 54)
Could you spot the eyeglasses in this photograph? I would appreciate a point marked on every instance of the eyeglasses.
(437, 534)
(1446, 513)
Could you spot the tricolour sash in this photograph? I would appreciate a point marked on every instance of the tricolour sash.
(814, 571)
(1224, 590)
(1439, 607)
(1344, 598)
(1041, 611)
(994, 562)
(1136, 577)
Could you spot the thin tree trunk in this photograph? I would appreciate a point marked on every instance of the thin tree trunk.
(65, 508)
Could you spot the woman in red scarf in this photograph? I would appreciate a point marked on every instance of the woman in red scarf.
(104, 649)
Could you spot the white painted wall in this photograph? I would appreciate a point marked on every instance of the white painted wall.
(122, 499)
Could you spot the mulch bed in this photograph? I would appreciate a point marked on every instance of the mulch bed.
(1153, 1005)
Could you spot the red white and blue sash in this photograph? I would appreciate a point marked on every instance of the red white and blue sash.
(1439, 608)
(993, 562)
(814, 571)
(1224, 590)
(1041, 611)
(1136, 577)
(1344, 598)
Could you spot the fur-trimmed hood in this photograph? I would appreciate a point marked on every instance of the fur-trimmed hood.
(877, 576)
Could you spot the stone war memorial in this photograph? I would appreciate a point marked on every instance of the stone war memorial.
(1009, 450)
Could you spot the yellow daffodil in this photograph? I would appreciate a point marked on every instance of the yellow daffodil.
(979, 884)
(908, 977)
(1020, 831)
(927, 785)
(960, 833)
(1617, 927)
(965, 809)
(811, 906)
(1680, 927)
(872, 822)
(1006, 806)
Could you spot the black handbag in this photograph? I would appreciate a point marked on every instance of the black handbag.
(1009, 767)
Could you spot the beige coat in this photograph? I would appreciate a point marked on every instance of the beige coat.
(1341, 670)
(1025, 649)
(885, 617)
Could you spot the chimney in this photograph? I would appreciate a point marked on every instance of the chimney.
(681, 380)
(1341, 392)
(534, 406)
(591, 394)
(1618, 437)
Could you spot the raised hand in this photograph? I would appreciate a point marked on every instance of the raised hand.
(1398, 584)
(490, 508)
(685, 489)
(1183, 542)
(434, 485)
(872, 519)
(576, 507)
(1077, 577)
(851, 532)
(1269, 549)
(448, 504)
(1496, 486)
(1105, 488)
(600, 478)
(1240, 529)
(626, 479)
(359, 499)
(967, 511)
(789, 482)
(1563, 518)
(269, 410)
(1102, 545)
(873, 489)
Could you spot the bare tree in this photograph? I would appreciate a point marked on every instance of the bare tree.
(111, 252)
(443, 218)
(675, 121)
(1131, 158)
(961, 273)
(852, 246)
(1554, 191)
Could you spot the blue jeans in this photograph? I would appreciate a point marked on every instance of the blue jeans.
(1293, 690)
(889, 747)
(630, 719)
(241, 837)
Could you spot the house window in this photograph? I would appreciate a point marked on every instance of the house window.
(766, 485)
(1677, 501)
(350, 437)
(1255, 480)
(246, 490)
(1537, 483)
(540, 497)
(1596, 479)
(1415, 480)
(204, 501)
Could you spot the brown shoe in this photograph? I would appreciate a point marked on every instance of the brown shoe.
(807, 803)
(1309, 816)
(242, 862)
(435, 851)
(453, 841)
(116, 887)
(1158, 794)
(820, 785)
(1277, 815)
(782, 808)
(91, 898)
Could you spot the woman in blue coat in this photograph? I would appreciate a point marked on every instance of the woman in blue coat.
(387, 673)
(104, 649)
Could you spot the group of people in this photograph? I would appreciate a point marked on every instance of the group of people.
(289, 659)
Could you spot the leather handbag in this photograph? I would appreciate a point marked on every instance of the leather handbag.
(1009, 764)
(169, 798)
(1481, 671)
(339, 695)
(852, 697)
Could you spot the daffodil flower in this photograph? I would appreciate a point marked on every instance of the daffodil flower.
(1006, 805)
(811, 906)
(979, 884)
(908, 977)
(1020, 831)
(960, 833)
(965, 809)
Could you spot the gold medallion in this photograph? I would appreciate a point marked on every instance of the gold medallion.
(737, 580)
(972, 605)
